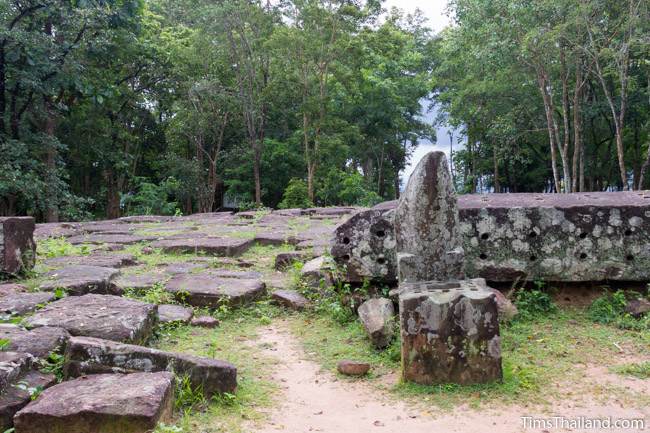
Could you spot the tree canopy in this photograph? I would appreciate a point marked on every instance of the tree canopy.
(114, 107)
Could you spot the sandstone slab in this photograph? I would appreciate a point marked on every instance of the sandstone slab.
(103, 260)
(22, 303)
(169, 313)
(286, 260)
(12, 366)
(101, 316)
(317, 271)
(204, 322)
(17, 395)
(39, 342)
(102, 403)
(290, 299)
(101, 238)
(81, 279)
(206, 290)
(228, 247)
(377, 317)
(94, 356)
(11, 289)
(17, 246)
(138, 281)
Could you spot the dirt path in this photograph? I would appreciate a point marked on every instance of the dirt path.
(316, 401)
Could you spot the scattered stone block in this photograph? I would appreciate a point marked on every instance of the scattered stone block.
(101, 238)
(168, 313)
(205, 322)
(101, 316)
(290, 299)
(428, 242)
(17, 246)
(17, 395)
(206, 290)
(12, 366)
(111, 403)
(137, 281)
(228, 247)
(102, 260)
(94, 356)
(377, 316)
(81, 279)
(352, 368)
(39, 342)
(22, 303)
(183, 267)
(275, 238)
(450, 333)
(11, 289)
(507, 310)
(637, 307)
(286, 260)
(318, 271)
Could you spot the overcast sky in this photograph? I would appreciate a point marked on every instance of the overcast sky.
(434, 10)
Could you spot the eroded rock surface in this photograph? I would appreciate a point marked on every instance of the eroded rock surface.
(17, 246)
(377, 317)
(81, 279)
(208, 290)
(38, 342)
(18, 395)
(450, 333)
(101, 316)
(20, 304)
(125, 403)
(169, 313)
(427, 237)
(93, 356)
(290, 299)
(228, 247)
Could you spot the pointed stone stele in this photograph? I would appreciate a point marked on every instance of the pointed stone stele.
(450, 333)
(428, 241)
(449, 326)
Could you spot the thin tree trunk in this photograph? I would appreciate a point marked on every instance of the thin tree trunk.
(495, 160)
(550, 122)
(578, 182)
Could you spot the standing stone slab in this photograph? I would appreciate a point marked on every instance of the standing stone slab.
(428, 242)
(81, 279)
(450, 333)
(101, 316)
(93, 356)
(377, 316)
(206, 290)
(17, 246)
(102, 403)
(289, 299)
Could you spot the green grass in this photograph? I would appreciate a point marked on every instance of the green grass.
(232, 342)
(539, 357)
(639, 370)
(58, 247)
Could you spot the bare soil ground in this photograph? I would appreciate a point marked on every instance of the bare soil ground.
(314, 400)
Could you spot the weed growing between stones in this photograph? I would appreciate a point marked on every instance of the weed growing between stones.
(154, 295)
(610, 309)
(533, 303)
(639, 370)
(58, 247)
(53, 364)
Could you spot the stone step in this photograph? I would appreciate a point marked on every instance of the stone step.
(130, 403)
(92, 356)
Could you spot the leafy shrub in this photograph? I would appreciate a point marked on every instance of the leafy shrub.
(533, 303)
(340, 187)
(610, 309)
(296, 195)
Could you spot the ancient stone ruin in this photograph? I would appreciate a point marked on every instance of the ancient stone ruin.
(579, 237)
(17, 246)
(449, 326)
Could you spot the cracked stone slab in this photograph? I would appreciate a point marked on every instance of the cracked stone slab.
(20, 304)
(125, 403)
(227, 247)
(100, 238)
(81, 279)
(38, 342)
(206, 290)
(101, 316)
(85, 356)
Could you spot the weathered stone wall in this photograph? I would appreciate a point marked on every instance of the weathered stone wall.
(507, 237)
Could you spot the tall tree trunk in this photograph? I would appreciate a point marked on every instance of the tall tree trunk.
(578, 182)
(112, 195)
(550, 125)
(495, 160)
(52, 212)
(3, 97)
